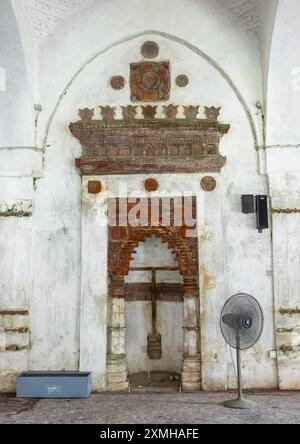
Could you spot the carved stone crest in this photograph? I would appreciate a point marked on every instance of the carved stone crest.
(191, 112)
(212, 113)
(149, 111)
(108, 112)
(171, 111)
(86, 114)
(150, 81)
(129, 112)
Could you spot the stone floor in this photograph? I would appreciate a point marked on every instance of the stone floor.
(152, 408)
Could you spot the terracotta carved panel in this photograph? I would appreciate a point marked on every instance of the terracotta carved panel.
(150, 145)
(150, 81)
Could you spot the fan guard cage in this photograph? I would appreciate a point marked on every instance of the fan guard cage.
(242, 304)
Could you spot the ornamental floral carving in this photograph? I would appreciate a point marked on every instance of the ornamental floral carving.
(212, 113)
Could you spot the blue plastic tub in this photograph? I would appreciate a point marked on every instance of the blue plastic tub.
(54, 385)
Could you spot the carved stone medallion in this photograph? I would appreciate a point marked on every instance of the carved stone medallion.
(151, 185)
(94, 187)
(150, 50)
(150, 81)
(208, 183)
(182, 80)
(117, 82)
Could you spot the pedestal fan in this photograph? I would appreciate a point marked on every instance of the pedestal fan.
(241, 326)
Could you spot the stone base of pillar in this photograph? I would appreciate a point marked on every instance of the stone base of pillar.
(191, 374)
(116, 374)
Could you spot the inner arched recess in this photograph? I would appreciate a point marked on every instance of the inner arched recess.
(154, 316)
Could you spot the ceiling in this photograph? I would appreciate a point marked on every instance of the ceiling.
(45, 15)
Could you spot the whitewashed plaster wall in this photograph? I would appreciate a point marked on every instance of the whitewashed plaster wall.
(68, 298)
(284, 77)
(18, 161)
(283, 167)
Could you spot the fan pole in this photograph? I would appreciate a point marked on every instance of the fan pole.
(239, 369)
(240, 402)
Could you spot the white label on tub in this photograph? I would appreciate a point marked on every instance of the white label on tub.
(54, 389)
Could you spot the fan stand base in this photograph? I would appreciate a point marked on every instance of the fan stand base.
(240, 403)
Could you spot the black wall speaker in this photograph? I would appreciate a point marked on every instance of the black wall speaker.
(262, 218)
(248, 203)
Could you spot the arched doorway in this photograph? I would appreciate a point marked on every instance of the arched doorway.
(123, 244)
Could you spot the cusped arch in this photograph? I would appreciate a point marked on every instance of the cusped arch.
(121, 252)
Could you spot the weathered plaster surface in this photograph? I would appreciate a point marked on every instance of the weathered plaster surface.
(283, 170)
(55, 261)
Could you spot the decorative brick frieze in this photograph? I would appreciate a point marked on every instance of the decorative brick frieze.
(92, 167)
(149, 145)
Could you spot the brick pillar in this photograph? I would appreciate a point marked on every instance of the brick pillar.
(116, 369)
(191, 370)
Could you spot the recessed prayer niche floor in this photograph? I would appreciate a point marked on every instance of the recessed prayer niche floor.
(155, 382)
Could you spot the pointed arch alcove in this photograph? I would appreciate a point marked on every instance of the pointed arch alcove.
(123, 241)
